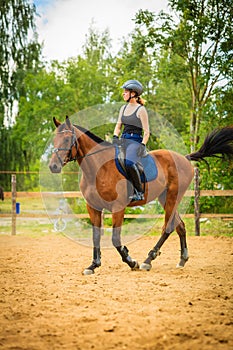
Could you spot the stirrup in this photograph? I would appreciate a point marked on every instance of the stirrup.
(137, 196)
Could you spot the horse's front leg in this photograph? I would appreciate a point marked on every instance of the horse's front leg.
(184, 256)
(117, 220)
(95, 217)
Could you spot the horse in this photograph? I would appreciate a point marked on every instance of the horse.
(104, 187)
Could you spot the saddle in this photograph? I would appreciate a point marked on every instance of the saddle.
(146, 166)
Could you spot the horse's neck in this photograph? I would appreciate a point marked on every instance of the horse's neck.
(91, 154)
(85, 144)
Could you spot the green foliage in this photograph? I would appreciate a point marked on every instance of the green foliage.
(172, 98)
(87, 75)
(18, 52)
(201, 37)
(217, 177)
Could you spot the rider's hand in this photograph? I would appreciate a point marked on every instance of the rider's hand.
(142, 150)
(115, 140)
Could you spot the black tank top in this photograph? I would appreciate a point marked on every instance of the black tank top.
(132, 124)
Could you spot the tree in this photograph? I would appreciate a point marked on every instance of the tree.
(132, 61)
(46, 95)
(171, 97)
(202, 38)
(88, 74)
(18, 51)
(57, 90)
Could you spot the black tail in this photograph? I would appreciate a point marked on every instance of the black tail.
(219, 143)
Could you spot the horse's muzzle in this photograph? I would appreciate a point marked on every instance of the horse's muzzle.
(54, 168)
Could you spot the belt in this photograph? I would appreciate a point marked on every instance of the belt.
(131, 134)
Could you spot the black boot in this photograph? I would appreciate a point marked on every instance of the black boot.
(135, 178)
(96, 262)
(124, 253)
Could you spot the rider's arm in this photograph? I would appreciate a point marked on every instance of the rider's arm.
(145, 124)
(117, 129)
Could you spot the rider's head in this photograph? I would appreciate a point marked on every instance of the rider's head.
(134, 87)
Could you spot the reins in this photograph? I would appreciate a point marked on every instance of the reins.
(91, 154)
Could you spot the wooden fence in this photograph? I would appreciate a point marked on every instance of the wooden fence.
(75, 194)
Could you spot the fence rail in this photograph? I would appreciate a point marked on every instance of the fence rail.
(126, 216)
(78, 194)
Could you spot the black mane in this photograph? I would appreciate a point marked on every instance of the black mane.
(92, 136)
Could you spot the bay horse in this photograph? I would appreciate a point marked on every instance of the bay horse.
(104, 187)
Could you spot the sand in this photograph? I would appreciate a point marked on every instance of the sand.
(46, 302)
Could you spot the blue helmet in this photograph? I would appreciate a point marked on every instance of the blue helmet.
(133, 85)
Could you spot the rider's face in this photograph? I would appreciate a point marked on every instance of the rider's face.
(126, 94)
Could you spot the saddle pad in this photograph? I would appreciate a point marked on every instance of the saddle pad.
(149, 166)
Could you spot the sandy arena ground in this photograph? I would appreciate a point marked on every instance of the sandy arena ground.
(46, 302)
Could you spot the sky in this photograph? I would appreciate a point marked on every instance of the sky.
(62, 25)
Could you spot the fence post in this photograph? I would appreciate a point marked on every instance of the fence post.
(13, 201)
(196, 201)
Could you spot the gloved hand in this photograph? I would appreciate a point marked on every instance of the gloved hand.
(115, 140)
(141, 150)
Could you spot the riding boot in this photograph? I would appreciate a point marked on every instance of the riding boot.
(135, 178)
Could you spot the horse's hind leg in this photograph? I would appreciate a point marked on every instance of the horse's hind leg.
(169, 202)
(146, 265)
(180, 229)
(117, 220)
(96, 221)
(172, 221)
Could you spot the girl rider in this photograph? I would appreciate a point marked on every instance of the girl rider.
(134, 119)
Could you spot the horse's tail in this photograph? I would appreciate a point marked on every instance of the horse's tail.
(218, 143)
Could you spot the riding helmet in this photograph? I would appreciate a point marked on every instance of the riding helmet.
(133, 85)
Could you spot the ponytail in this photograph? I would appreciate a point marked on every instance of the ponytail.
(141, 101)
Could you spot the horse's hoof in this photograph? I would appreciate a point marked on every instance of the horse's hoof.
(181, 264)
(178, 266)
(88, 272)
(145, 267)
(136, 266)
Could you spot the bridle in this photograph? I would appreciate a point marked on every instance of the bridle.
(74, 143)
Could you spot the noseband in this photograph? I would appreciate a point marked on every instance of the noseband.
(73, 143)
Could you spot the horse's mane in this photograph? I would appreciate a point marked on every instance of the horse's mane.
(94, 137)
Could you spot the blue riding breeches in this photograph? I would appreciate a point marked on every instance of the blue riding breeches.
(131, 143)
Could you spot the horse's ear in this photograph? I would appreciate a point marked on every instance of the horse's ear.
(56, 122)
(68, 123)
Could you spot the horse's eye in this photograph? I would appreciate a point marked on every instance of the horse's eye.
(66, 140)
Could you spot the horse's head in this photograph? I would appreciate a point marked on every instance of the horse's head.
(65, 145)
